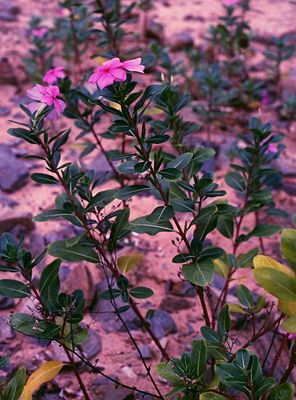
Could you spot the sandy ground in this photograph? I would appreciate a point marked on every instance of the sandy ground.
(156, 270)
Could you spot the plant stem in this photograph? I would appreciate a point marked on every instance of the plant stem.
(77, 374)
(98, 370)
(278, 354)
(110, 264)
(291, 365)
(200, 290)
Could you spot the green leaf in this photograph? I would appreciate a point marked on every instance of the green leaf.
(110, 294)
(141, 292)
(35, 327)
(130, 191)
(180, 162)
(119, 227)
(171, 174)
(65, 250)
(16, 385)
(224, 323)
(264, 230)
(58, 214)
(199, 357)
(183, 205)
(284, 391)
(288, 246)
(24, 134)
(101, 199)
(206, 221)
(13, 289)
(4, 361)
(225, 225)
(200, 272)
(157, 139)
(49, 285)
(161, 214)
(142, 225)
(246, 259)
(244, 295)
(276, 282)
(44, 178)
(235, 181)
(210, 335)
(166, 372)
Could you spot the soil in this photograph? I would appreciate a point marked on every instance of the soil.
(156, 270)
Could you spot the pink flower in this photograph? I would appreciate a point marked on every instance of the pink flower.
(115, 70)
(230, 3)
(39, 32)
(108, 73)
(46, 96)
(134, 65)
(272, 148)
(52, 75)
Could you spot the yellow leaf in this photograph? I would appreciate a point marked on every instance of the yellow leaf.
(115, 105)
(288, 307)
(100, 60)
(221, 267)
(235, 308)
(289, 325)
(154, 111)
(268, 262)
(128, 262)
(42, 375)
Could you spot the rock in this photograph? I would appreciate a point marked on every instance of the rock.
(162, 324)
(154, 31)
(145, 351)
(101, 388)
(91, 348)
(289, 188)
(50, 396)
(4, 111)
(6, 303)
(13, 171)
(6, 333)
(173, 303)
(128, 372)
(78, 277)
(8, 11)
(6, 201)
(286, 163)
(181, 288)
(17, 224)
(187, 330)
(7, 74)
(190, 17)
(181, 40)
(101, 168)
(104, 312)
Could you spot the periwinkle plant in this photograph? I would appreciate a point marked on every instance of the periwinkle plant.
(178, 181)
(153, 156)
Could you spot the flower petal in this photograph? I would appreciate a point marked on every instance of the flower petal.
(114, 63)
(34, 93)
(119, 74)
(134, 65)
(34, 106)
(95, 76)
(105, 80)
